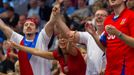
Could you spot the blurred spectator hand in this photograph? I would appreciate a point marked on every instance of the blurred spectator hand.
(55, 12)
(6, 45)
(89, 27)
(12, 54)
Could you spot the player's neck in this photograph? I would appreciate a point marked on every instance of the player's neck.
(119, 9)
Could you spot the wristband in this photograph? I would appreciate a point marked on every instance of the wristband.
(120, 34)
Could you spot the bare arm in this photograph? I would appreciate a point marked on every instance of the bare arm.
(49, 27)
(127, 39)
(71, 45)
(6, 30)
(69, 33)
(34, 51)
(61, 26)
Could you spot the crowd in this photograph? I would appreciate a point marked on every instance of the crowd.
(66, 37)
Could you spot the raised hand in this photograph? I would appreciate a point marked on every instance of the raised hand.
(90, 28)
(11, 44)
(112, 30)
(55, 12)
(6, 45)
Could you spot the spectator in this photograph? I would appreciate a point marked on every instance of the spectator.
(82, 11)
(19, 27)
(69, 9)
(12, 17)
(91, 2)
(99, 63)
(34, 8)
(31, 36)
(44, 12)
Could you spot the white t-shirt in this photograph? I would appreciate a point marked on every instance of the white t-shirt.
(94, 54)
(40, 66)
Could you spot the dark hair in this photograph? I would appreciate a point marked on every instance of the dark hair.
(60, 52)
(69, 22)
(1, 4)
(1, 50)
(126, 1)
(10, 9)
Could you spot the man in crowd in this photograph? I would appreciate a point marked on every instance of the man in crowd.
(29, 64)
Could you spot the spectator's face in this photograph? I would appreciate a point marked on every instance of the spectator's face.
(115, 3)
(29, 28)
(100, 16)
(62, 41)
(22, 20)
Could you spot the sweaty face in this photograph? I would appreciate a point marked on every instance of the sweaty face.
(29, 28)
(115, 3)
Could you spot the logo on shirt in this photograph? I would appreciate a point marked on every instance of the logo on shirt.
(123, 21)
(111, 37)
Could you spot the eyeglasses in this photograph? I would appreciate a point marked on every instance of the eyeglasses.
(103, 15)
